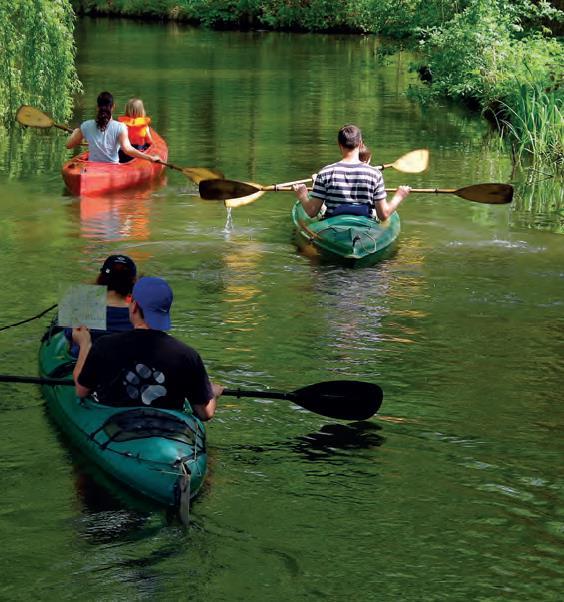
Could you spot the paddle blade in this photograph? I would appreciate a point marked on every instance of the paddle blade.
(244, 200)
(491, 194)
(33, 117)
(198, 174)
(414, 162)
(342, 399)
(221, 190)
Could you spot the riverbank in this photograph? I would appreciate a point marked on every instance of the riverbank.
(500, 57)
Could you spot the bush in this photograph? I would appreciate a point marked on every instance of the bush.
(484, 57)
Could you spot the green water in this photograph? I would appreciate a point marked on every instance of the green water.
(455, 491)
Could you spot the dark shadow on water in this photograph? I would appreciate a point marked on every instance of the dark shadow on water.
(334, 438)
(329, 440)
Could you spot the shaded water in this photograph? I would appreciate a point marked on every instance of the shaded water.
(455, 491)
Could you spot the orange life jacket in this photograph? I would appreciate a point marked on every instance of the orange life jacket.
(136, 128)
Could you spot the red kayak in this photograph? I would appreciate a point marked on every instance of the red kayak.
(88, 177)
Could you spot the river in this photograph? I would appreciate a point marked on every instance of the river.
(454, 491)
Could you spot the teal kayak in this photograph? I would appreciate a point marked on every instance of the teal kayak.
(158, 453)
(347, 238)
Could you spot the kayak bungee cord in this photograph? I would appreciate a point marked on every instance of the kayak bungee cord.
(29, 319)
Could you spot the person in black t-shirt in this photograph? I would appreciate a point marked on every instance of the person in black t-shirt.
(145, 366)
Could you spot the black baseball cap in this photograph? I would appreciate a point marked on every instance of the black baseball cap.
(123, 261)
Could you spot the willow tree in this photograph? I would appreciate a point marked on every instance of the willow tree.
(37, 53)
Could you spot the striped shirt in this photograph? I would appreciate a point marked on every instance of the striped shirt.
(349, 183)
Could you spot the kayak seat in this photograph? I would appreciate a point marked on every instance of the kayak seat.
(142, 423)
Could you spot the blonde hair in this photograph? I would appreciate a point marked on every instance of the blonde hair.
(135, 108)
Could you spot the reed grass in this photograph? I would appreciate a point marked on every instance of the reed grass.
(534, 122)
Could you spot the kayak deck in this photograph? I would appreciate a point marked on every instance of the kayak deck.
(83, 177)
(346, 238)
(158, 453)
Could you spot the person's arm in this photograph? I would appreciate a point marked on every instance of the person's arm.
(200, 392)
(312, 206)
(75, 138)
(133, 152)
(385, 208)
(206, 411)
(81, 336)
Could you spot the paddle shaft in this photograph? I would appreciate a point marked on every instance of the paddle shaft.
(493, 194)
(284, 186)
(170, 165)
(65, 128)
(35, 380)
(53, 382)
(421, 190)
(261, 394)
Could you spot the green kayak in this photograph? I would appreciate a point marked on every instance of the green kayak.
(160, 454)
(347, 238)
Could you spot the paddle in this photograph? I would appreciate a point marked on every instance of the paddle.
(32, 117)
(491, 194)
(413, 162)
(35, 118)
(196, 174)
(341, 399)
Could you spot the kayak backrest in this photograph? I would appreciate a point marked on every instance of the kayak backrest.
(140, 423)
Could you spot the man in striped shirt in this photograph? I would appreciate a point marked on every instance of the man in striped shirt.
(350, 186)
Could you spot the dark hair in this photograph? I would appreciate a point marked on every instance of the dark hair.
(105, 102)
(364, 153)
(120, 279)
(350, 136)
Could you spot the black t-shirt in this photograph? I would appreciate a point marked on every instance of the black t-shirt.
(145, 367)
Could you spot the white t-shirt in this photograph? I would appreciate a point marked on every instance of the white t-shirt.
(103, 146)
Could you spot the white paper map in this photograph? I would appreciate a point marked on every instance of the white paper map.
(82, 304)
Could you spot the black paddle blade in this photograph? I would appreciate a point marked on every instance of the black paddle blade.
(221, 190)
(342, 399)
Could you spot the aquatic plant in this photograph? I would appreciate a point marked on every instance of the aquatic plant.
(534, 123)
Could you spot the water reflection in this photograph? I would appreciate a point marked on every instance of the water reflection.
(330, 439)
(106, 516)
(119, 216)
(539, 202)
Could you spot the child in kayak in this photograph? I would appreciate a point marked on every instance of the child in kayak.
(137, 123)
(364, 154)
(105, 136)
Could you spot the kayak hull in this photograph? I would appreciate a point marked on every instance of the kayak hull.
(83, 177)
(160, 454)
(350, 239)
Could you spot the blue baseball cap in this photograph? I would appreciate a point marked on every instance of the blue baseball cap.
(154, 296)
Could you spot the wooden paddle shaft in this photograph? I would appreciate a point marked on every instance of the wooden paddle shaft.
(284, 186)
(65, 128)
